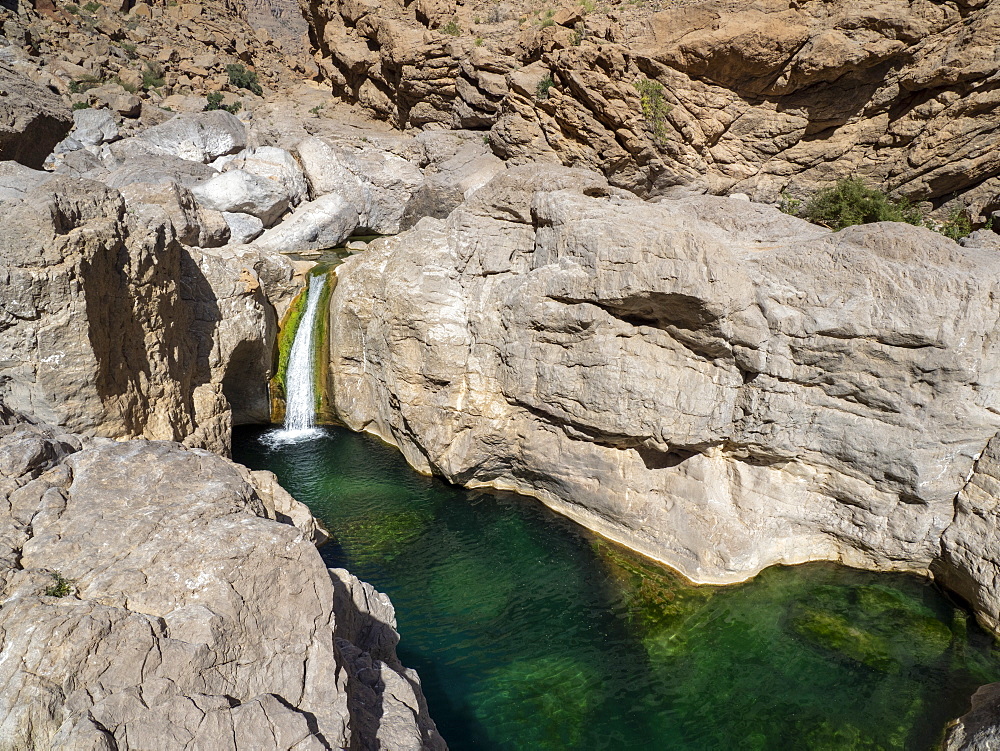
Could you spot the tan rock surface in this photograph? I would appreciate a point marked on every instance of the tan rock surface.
(187, 618)
(715, 384)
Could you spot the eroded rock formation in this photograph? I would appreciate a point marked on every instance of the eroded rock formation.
(110, 327)
(754, 97)
(715, 384)
(151, 599)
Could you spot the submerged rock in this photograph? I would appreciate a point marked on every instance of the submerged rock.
(151, 599)
(716, 384)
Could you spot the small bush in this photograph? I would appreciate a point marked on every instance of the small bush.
(130, 50)
(152, 76)
(542, 89)
(956, 226)
(316, 110)
(242, 78)
(851, 202)
(81, 106)
(61, 586)
(214, 102)
(92, 7)
(74, 9)
(85, 83)
(588, 6)
(479, 41)
(789, 205)
(654, 108)
(451, 28)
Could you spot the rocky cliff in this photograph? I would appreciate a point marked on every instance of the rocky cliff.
(709, 381)
(159, 597)
(721, 95)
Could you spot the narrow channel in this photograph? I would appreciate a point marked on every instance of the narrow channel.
(530, 633)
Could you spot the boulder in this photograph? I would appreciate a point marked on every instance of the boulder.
(150, 168)
(273, 164)
(175, 199)
(32, 119)
(978, 729)
(238, 191)
(16, 180)
(186, 631)
(92, 127)
(201, 137)
(709, 381)
(323, 223)
(378, 184)
(243, 228)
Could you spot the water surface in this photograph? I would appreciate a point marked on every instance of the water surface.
(531, 633)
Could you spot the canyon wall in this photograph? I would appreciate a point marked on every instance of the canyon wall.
(708, 381)
(756, 97)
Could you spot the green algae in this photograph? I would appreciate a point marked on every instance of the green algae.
(544, 702)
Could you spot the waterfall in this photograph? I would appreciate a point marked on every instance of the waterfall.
(300, 376)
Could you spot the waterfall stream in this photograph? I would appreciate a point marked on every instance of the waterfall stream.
(300, 378)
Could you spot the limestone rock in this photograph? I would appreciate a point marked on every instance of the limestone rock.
(201, 137)
(93, 127)
(707, 380)
(163, 564)
(978, 730)
(243, 228)
(110, 327)
(323, 223)
(276, 165)
(378, 184)
(238, 191)
(32, 119)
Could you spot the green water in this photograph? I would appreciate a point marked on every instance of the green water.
(530, 633)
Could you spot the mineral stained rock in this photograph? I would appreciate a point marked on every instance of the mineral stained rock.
(709, 381)
(152, 600)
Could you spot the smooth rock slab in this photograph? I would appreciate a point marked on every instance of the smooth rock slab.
(323, 223)
(711, 382)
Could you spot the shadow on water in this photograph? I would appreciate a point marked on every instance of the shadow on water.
(528, 632)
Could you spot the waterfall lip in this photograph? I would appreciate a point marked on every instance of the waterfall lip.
(300, 403)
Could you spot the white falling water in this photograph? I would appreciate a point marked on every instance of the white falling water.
(300, 379)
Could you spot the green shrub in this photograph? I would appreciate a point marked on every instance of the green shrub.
(61, 586)
(92, 7)
(956, 226)
(81, 106)
(84, 83)
(542, 89)
(130, 50)
(214, 102)
(789, 204)
(851, 202)
(74, 9)
(451, 28)
(152, 76)
(654, 108)
(242, 78)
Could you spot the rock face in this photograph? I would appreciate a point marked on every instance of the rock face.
(977, 730)
(109, 326)
(32, 119)
(152, 600)
(757, 98)
(711, 382)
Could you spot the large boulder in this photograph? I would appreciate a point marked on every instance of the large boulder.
(273, 164)
(377, 183)
(323, 223)
(709, 381)
(241, 192)
(201, 137)
(32, 119)
(198, 619)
